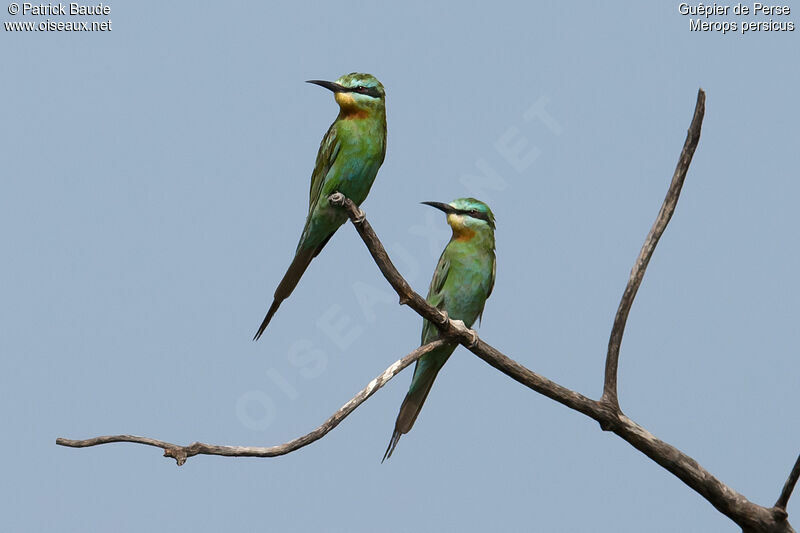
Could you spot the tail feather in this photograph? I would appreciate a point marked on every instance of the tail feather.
(272, 308)
(409, 411)
(299, 265)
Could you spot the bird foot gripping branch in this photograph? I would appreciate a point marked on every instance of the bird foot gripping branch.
(457, 328)
(462, 329)
(338, 199)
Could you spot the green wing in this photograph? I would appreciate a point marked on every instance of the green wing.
(494, 274)
(328, 150)
(436, 295)
(491, 286)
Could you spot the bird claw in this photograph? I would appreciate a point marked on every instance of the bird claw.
(473, 343)
(462, 328)
(337, 199)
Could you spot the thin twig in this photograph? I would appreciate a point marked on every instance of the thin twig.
(181, 453)
(639, 267)
(788, 487)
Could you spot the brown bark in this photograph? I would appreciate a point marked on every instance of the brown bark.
(750, 516)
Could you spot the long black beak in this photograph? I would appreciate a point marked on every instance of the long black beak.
(447, 208)
(335, 87)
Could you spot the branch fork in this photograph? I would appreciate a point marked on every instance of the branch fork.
(606, 410)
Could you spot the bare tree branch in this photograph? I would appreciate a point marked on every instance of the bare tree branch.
(649, 246)
(181, 453)
(606, 411)
(455, 329)
(788, 487)
(748, 515)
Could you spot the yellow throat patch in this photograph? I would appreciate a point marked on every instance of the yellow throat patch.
(350, 109)
(460, 230)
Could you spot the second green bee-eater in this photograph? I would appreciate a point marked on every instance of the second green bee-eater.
(463, 280)
(349, 157)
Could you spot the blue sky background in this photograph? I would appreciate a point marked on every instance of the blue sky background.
(154, 185)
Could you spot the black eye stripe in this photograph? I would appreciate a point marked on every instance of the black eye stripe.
(474, 214)
(369, 91)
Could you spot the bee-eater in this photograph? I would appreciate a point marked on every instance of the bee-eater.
(348, 160)
(463, 280)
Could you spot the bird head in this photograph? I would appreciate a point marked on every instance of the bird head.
(467, 217)
(357, 94)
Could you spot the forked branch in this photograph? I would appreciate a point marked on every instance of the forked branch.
(788, 487)
(748, 515)
(649, 246)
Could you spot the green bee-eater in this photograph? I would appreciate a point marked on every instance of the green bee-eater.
(463, 280)
(348, 160)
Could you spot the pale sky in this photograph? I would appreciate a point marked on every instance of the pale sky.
(156, 182)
